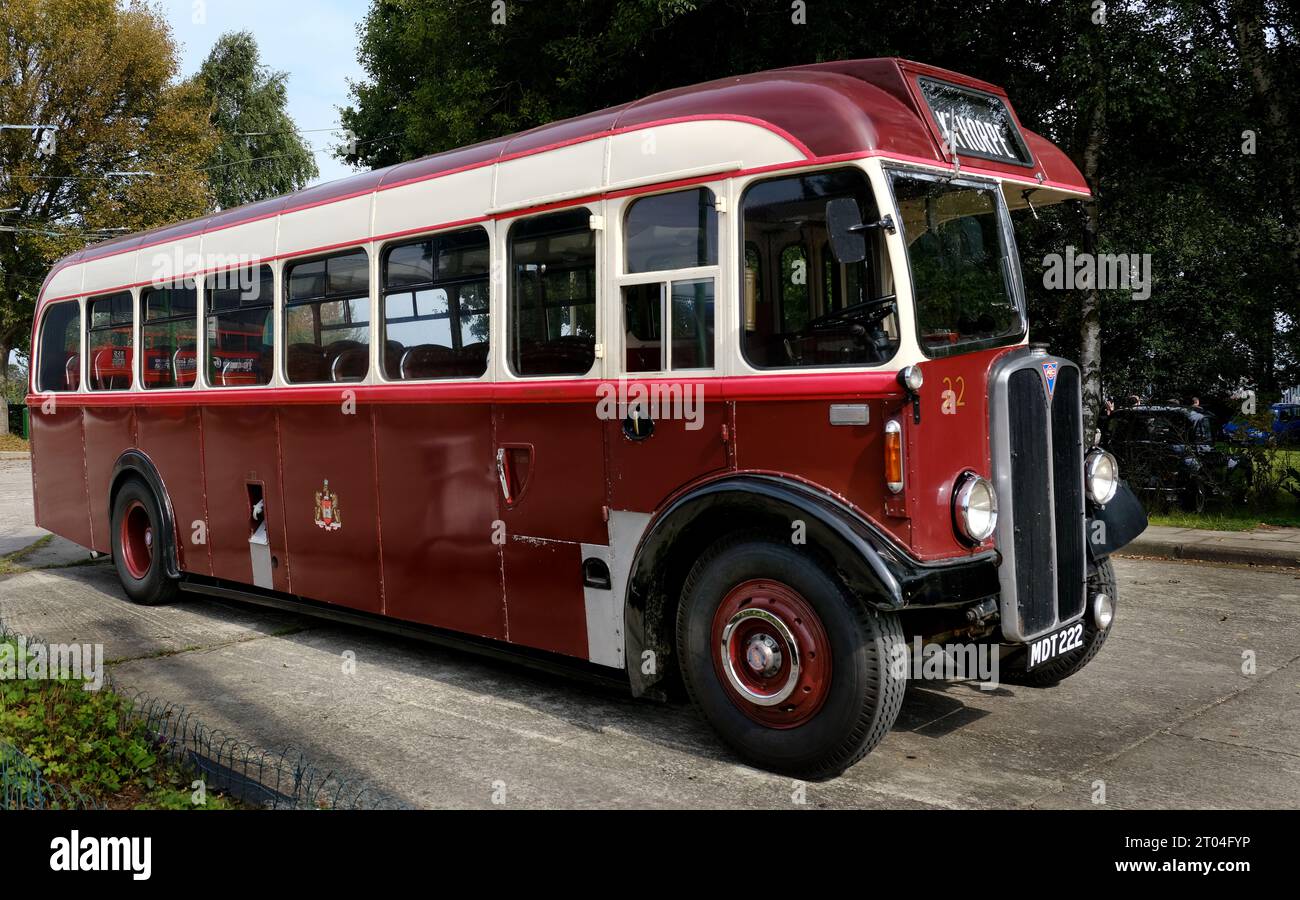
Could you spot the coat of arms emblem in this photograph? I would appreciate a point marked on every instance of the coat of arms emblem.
(327, 509)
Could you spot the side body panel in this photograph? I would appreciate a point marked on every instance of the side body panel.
(172, 437)
(110, 431)
(59, 472)
(241, 448)
(438, 502)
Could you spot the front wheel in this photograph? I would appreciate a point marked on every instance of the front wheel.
(137, 552)
(792, 672)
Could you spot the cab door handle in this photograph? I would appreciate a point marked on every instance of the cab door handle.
(514, 468)
(505, 478)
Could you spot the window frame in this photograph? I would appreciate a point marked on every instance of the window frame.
(283, 303)
(593, 209)
(145, 321)
(380, 314)
(883, 203)
(666, 278)
(206, 312)
(1006, 237)
(39, 360)
(88, 327)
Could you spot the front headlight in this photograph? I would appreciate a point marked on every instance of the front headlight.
(975, 508)
(1101, 473)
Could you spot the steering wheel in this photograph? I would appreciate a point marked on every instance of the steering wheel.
(869, 311)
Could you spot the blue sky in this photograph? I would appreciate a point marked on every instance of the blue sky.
(313, 41)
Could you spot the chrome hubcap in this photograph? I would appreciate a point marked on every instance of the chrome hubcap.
(763, 655)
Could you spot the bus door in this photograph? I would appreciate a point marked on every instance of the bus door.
(549, 452)
(669, 427)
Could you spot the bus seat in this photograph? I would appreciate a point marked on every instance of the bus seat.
(72, 372)
(473, 359)
(305, 363)
(238, 371)
(428, 361)
(393, 352)
(185, 363)
(561, 356)
(105, 376)
(349, 363)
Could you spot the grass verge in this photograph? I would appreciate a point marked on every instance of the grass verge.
(89, 742)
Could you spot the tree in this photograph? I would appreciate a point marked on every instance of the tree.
(1150, 98)
(104, 74)
(260, 154)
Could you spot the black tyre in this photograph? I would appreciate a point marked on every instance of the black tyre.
(1195, 496)
(137, 552)
(792, 672)
(1067, 664)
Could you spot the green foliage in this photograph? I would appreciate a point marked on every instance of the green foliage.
(260, 153)
(1173, 78)
(88, 741)
(104, 72)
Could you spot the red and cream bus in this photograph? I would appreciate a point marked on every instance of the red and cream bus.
(727, 389)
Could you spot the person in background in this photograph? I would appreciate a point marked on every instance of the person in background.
(1107, 410)
(1196, 403)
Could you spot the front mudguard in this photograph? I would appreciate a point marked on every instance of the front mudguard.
(1115, 525)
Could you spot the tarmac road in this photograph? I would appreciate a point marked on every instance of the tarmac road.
(1165, 716)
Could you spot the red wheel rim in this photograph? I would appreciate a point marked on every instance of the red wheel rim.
(771, 653)
(136, 540)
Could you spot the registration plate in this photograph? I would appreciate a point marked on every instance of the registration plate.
(1046, 649)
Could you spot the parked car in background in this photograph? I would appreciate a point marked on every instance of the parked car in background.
(1245, 433)
(1286, 423)
(1168, 453)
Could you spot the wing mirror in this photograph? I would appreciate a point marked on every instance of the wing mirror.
(845, 227)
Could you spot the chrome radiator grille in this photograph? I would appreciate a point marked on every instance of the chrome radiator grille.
(1037, 449)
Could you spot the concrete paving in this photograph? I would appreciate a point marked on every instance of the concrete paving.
(1165, 717)
(1262, 547)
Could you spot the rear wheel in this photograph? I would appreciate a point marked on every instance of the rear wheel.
(137, 551)
(791, 671)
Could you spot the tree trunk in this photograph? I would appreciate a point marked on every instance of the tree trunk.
(5, 351)
(1090, 328)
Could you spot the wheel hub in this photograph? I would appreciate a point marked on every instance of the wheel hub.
(136, 540)
(763, 655)
(771, 653)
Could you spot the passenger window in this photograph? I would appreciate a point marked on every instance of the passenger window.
(327, 319)
(672, 231)
(801, 306)
(240, 330)
(169, 335)
(668, 321)
(110, 322)
(436, 307)
(552, 315)
(60, 361)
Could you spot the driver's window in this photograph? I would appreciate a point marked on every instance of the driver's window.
(802, 307)
(670, 257)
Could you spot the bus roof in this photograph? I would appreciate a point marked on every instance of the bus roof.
(829, 111)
